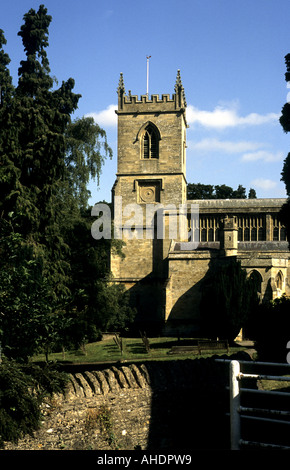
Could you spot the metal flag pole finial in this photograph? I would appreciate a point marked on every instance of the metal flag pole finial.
(147, 90)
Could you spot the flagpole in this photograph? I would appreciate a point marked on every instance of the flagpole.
(147, 92)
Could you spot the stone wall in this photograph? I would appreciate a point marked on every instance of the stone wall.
(153, 406)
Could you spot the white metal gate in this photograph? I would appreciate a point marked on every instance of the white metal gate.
(238, 412)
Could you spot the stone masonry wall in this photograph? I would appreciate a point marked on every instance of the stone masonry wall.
(153, 406)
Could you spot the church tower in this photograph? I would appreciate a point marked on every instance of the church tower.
(151, 174)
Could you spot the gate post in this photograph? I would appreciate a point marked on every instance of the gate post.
(235, 405)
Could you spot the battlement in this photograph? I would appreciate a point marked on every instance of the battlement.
(155, 104)
(165, 98)
(128, 103)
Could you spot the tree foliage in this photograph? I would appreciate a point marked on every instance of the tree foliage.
(285, 174)
(25, 314)
(40, 115)
(86, 148)
(46, 248)
(22, 390)
(229, 298)
(208, 191)
(270, 326)
(285, 115)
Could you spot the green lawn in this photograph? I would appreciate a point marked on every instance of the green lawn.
(133, 350)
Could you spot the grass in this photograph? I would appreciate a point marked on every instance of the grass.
(276, 385)
(133, 350)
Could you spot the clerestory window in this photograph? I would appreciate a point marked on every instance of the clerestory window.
(150, 146)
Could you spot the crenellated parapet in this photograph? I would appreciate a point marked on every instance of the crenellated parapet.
(134, 104)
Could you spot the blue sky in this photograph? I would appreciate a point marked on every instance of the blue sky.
(231, 57)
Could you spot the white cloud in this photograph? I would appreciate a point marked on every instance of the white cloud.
(251, 151)
(224, 146)
(105, 118)
(264, 184)
(263, 155)
(222, 117)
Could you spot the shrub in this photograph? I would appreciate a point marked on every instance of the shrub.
(228, 298)
(272, 330)
(22, 389)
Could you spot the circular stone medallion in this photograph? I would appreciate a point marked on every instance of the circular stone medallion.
(147, 194)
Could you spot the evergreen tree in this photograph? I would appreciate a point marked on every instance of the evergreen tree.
(33, 119)
(239, 193)
(228, 299)
(285, 175)
(200, 191)
(42, 117)
(252, 194)
(285, 115)
(9, 173)
(29, 309)
(271, 330)
(46, 248)
(39, 116)
(223, 192)
(207, 191)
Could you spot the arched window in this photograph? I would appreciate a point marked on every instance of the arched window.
(283, 234)
(254, 234)
(203, 235)
(247, 234)
(210, 235)
(257, 279)
(150, 142)
(276, 233)
(261, 234)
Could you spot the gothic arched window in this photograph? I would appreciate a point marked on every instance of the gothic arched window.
(247, 234)
(283, 234)
(257, 279)
(150, 142)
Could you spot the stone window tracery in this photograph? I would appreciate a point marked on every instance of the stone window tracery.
(251, 228)
(279, 231)
(150, 143)
(209, 228)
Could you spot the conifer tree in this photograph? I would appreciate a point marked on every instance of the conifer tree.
(285, 175)
(9, 173)
(46, 248)
(33, 120)
(229, 298)
(285, 116)
(42, 117)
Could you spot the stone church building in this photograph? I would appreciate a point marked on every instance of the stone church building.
(165, 274)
